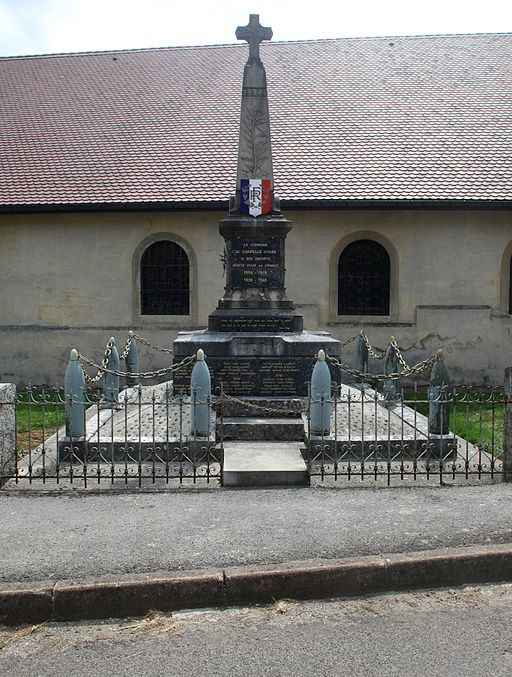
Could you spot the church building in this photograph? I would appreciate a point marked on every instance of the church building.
(391, 156)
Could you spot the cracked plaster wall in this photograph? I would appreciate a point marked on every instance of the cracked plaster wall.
(68, 281)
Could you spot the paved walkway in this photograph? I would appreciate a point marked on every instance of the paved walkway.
(63, 537)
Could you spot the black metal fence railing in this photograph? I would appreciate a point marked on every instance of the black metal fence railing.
(355, 435)
(458, 434)
(143, 439)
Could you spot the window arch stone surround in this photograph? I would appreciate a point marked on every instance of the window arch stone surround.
(393, 278)
(172, 320)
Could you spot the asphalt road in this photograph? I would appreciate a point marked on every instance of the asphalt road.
(464, 632)
(64, 537)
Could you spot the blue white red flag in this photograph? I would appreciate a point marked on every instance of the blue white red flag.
(255, 196)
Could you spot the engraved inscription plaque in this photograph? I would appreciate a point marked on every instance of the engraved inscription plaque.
(256, 376)
(262, 323)
(256, 262)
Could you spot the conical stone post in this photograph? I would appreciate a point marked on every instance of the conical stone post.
(74, 397)
(110, 394)
(392, 366)
(320, 408)
(200, 392)
(362, 355)
(132, 361)
(438, 393)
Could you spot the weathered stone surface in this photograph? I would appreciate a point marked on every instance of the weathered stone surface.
(263, 428)
(7, 429)
(254, 148)
(262, 407)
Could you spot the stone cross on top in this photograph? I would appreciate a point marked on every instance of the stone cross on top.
(254, 33)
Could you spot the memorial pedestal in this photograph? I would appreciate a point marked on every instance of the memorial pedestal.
(255, 344)
(259, 364)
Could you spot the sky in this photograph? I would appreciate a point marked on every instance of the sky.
(54, 26)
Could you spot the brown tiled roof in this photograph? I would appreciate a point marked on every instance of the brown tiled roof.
(403, 118)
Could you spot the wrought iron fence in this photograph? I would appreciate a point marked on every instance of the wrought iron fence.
(144, 438)
(370, 436)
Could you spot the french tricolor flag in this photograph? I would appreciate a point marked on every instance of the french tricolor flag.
(255, 196)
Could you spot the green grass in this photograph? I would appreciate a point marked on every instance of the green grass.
(37, 417)
(479, 422)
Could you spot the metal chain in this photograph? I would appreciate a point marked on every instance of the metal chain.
(349, 340)
(398, 353)
(126, 350)
(371, 351)
(410, 371)
(150, 345)
(259, 407)
(128, 374)
(102, 368)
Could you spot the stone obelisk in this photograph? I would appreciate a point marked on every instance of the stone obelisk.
(255, 231)
(255, 344)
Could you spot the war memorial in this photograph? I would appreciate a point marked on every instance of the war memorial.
(254, 399)
(255, 341)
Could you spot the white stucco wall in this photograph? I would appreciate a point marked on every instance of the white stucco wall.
(70, 280)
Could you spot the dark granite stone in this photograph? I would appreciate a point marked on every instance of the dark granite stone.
(255, 262)
(261, 375)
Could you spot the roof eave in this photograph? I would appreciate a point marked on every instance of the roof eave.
(286, 204)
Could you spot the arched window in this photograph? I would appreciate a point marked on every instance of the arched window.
(363, 279)
(164, 280)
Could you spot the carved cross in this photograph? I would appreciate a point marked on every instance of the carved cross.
(254, 33)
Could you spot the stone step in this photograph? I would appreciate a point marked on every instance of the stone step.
(252, 428)
(263, 464)
(262, 407)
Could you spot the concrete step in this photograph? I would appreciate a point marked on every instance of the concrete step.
(263, 464)
(252, 428)
(263, 407)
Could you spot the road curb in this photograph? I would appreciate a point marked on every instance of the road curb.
(133, 595)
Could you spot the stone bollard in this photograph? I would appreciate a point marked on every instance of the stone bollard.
(320, 408)
(74, 397)
(7, 431)
(392, 366)
(507, 428)
(439, 392)
(110, 395)
(132, 361)
(200, 392)
(438, 410)
(362, 355)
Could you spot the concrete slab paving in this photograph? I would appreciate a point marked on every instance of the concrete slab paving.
(257, 464)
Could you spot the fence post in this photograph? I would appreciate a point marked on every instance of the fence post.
(111, 381)
(362, 354)
(321, 397)
(507, 428)
(200, 392)
(392, 366)
(7, 431)
(132, 361)
(74, 397)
